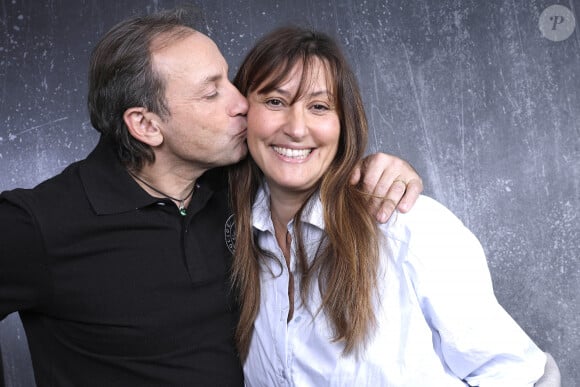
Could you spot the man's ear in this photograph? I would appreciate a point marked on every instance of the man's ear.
(143, 125)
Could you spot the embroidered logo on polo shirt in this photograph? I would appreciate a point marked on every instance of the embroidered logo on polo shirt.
(230, 233)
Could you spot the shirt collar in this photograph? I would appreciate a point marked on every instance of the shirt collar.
(110, 189)
(261, 216)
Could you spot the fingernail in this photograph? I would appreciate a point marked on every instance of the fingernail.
(382, 216)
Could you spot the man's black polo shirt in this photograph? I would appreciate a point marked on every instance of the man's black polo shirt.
(113, 286)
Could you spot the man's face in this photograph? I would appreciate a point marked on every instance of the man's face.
(206, 126)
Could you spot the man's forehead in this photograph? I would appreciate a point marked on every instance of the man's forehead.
(195, 55)
(170, 37)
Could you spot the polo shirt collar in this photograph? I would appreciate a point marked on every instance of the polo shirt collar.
(111, 190)
(108, 186)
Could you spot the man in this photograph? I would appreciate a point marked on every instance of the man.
(119, 265)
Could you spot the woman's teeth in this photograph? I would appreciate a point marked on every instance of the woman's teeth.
(292, 153)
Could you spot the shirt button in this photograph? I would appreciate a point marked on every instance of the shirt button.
(297, 319)
(160, 203)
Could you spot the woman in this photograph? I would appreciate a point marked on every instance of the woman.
(327, 296)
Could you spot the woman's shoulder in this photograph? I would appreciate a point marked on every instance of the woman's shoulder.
(426, 215)
(428, 227)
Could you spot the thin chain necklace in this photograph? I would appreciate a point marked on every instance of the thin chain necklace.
(182, 209)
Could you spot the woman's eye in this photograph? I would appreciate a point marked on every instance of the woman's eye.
(212, 95)
(274, 102)
(320, 107)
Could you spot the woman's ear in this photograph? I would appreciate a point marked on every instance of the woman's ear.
(143, 125)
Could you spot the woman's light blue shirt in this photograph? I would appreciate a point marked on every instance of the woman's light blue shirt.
(439, 323)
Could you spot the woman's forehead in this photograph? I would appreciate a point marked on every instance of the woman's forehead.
(302, 75)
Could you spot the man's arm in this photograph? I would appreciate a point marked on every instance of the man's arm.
(24, 277)
(392, 183)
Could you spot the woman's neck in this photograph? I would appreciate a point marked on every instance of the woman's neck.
(284, 205)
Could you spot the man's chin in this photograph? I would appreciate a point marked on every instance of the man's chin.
(241, 153)
(235, 155)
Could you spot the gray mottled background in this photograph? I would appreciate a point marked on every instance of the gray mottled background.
(484, 104)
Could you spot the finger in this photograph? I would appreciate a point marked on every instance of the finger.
(355, 175)
(378, 171)
(377, 178)
(378, 187)
(369, 176)
(412, 192)
(380, 184)
(391, 200)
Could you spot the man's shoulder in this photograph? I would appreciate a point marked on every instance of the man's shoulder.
(57, 189)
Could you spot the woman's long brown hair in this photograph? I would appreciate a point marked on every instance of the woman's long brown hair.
(346, 264)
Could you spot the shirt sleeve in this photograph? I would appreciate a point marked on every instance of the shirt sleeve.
(23, 271)
(477, 338)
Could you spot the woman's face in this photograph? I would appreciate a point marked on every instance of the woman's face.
(294, 143)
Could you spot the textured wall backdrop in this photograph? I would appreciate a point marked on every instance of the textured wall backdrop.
(482, 97)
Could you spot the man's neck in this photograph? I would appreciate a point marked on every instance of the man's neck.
(176, 184)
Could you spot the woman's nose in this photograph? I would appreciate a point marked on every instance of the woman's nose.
(296, 127)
